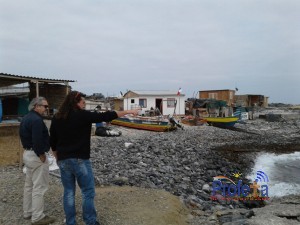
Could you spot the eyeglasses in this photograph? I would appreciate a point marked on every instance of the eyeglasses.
(46, 106)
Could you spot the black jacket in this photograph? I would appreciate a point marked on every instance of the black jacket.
(71, 137)
(34, 133)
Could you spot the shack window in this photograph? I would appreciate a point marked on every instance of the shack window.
(143, 103)
(213, 95)
(132, 101)
(170, 102)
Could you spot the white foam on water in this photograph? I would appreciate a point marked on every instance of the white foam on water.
(283, 172)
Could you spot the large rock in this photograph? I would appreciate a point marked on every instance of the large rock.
(277, 213)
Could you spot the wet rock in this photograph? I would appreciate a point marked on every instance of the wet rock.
(288, 212)
(281, 213)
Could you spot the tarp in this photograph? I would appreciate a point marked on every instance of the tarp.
(23, 106)
(209, 103)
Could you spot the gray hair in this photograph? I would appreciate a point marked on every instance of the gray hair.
(36, 101)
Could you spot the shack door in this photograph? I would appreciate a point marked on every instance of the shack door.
(158, 104)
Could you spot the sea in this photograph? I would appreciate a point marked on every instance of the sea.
(280, 172)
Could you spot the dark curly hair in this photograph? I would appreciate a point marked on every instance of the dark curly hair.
(69, 104)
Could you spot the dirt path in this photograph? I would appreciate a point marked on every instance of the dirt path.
(138, 206)
(115, 205)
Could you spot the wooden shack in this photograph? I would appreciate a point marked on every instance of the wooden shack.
(251, 100)
(224, 95)
(54, 90)
(54, 93)
(14, 105)
(118, 104)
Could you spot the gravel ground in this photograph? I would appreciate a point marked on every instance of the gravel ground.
(115, 205)
(163, 175)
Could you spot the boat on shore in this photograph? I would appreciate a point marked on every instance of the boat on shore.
(223, 122)
(146, 123)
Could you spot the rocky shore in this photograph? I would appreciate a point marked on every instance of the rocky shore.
(183, 163)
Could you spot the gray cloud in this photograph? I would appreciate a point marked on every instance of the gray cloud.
(111, 46)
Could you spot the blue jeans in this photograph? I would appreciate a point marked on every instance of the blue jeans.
(79, 170)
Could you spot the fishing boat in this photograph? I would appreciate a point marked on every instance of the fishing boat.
(146, 123)
(221, 121)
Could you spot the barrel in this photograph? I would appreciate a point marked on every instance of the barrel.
(1, 110)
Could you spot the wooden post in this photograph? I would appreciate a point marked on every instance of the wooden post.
(21, 151)
(179, 104)
(67, 87)
(37, 88)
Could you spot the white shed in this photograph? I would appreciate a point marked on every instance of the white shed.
(168, 102)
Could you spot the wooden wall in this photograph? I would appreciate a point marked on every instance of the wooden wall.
(251, 100)
(54, 93)
(118, 105)
(225, 95)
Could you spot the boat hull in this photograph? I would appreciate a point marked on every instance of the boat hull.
(221, 121)
(151, 125)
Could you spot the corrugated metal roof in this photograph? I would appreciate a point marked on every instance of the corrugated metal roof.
(12, 76)
(217, 90)
(163, 92)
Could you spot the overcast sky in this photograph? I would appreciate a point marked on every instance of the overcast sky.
(109, 46)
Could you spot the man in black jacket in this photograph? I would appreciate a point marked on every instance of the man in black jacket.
(35, 140)
(70, 135)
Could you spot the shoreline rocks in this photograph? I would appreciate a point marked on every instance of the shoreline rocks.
(184, 162)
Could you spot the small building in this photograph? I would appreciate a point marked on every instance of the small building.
(224, 95)
(168, 102)
(117, 104)
(209, 108)
(15, 94)
(16, 91)
(251, 100)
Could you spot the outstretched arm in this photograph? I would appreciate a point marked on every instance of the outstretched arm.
(125, 112)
